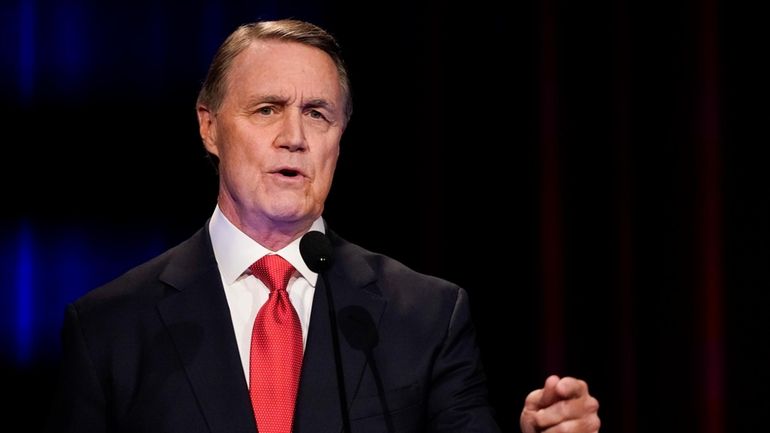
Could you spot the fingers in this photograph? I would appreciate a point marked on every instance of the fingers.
(550, 394)
(532, 402)
(535, 401)
(543, 397)
(569, 387)
(565, 411)
(556, 389)
(588, 424)
(563, 405)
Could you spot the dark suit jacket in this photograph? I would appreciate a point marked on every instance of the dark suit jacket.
(154, 351)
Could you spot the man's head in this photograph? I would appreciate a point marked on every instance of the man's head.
(272, 112)
(213, 90)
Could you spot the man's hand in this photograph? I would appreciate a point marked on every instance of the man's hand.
(563, 405)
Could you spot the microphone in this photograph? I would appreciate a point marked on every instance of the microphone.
(361, 333)
(316, 251)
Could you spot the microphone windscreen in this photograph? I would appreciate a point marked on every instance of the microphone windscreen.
(316, 250)
(358, 328)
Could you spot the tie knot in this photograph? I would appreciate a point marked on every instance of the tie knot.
(273, 270)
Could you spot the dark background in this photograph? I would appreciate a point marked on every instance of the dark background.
(591, 172)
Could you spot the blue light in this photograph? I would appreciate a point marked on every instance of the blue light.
(24, 295)
(70, 53)
(27, 52)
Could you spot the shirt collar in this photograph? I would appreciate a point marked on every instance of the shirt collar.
(235, 251)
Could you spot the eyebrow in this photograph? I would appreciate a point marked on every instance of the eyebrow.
(283, 100)
(319, 103)
(269, 99)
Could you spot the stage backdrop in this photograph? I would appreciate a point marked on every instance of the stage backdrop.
(600, 159)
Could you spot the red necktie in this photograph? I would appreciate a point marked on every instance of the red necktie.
(276, 350)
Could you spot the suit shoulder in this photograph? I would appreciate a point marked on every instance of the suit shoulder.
(138, 285)
(394, 275)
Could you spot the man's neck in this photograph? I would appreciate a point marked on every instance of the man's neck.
(272, 235)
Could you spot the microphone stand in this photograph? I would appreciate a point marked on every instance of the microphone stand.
(316, 250)
(337, 357)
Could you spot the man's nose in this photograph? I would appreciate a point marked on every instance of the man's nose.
(292, 134)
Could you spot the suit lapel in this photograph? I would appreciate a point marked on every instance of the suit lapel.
(351, 280)
(198, 319)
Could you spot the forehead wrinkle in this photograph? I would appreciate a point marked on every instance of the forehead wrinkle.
(277, 99)
(269, 98)
(319, 103)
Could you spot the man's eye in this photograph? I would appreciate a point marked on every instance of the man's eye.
(315, 114)
(265, 111)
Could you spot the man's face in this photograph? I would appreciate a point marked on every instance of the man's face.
(277, 134)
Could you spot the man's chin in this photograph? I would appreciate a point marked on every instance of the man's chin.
(292, 215)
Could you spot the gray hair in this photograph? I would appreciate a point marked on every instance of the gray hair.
(214, 87)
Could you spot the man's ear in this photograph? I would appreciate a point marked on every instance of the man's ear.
(207, 129)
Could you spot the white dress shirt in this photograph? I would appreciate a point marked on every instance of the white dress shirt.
(235, 252)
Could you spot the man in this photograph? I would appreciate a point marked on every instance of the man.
(182, 343)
